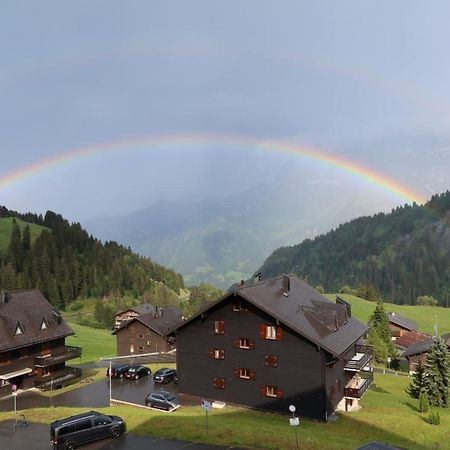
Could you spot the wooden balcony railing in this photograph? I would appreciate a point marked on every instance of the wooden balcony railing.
(69, 352)
(365, 380)
(69, 373)
(364, 353)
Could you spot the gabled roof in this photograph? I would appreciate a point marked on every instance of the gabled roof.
(410, 338)
(401, 321)
(161, 321)
(301, 308)
(424, 346)
(28, 308)
(145, 308)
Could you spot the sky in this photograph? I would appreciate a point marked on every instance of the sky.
(365, 80)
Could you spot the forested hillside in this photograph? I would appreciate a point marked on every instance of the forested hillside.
(404, 254)
(65, 263)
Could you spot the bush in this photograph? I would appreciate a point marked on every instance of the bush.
(426, 300)
(424, 403)
(76, 305)
(434, 418)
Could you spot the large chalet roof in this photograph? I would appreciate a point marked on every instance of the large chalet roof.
(401, 321)
(160, 321)
(424, 346)
(145, 308)
(302, 309)
(27, 318)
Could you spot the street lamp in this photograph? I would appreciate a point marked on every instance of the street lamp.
(294, 422)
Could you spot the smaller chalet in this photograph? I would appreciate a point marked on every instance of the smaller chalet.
(418, 352)
(400, 325)
(275, 343)
(32, 343)
(131, 313)
(410, 338)
(147, 333)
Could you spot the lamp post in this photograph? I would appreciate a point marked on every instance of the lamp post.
(294, 422)
(110, 387)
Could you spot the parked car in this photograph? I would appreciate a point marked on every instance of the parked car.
(118, 371)
(136, 372)
(161, 399)
(70, 432)
(165, 375)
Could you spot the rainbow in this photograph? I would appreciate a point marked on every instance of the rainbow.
(271, 145)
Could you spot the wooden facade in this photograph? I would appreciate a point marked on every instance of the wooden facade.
(33, 351)
(239, 353)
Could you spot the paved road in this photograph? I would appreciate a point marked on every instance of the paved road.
(37, 437)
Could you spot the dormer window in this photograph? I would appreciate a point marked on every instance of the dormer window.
(19, 329)
(44, 324)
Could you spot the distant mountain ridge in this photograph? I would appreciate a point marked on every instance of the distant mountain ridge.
(221, 241)
(404, 254)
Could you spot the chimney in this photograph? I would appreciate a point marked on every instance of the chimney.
(258, 277)
(286, 285)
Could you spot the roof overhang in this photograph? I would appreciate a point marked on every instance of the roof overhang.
(8, 376)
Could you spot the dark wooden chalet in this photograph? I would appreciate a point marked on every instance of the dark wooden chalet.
(272, 344)
(400, 325)
(147, 333)
(32, 343)
(410, 338)
(418, 352)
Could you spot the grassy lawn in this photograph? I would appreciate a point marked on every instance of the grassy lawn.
(425, 316)
(95, 343)
(387, 415)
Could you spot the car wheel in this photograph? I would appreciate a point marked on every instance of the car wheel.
(70, 446)
(121, 375)
(115, 432)
(149, 372)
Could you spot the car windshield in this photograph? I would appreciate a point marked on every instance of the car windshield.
(133, 369)
(167, 396)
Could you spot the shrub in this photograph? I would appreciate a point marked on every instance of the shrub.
(424, 403)
(433, 417)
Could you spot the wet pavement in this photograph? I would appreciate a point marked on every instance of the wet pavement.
(32, 436)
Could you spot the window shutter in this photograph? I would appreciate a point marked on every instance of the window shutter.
(236, 343)
(221, 327)
(252, 375)
(279, 393)
(222, 354)
(279, 334)
(271, 360)
(262, 390)
(251, 345)
(211, 353)
(262, 330)
(236, 373)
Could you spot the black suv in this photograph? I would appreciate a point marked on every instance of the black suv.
(118, 371)
(136, 372)
(70, 432)
(165, 375)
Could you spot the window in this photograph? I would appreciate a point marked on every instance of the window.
(237, 306)
(271, 332)
(83, 425)
(271, 391)
(44, 324)
(141, 348)
(19, 329)
(244, 374)
(216, 353)
(140, 336)
(102, 420)
(219, 383)
(46, 371)
(244, 343)
(219, 327)
(271, 361)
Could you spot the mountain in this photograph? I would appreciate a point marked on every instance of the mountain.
(222, 240)
(404, 254)
(65, 262)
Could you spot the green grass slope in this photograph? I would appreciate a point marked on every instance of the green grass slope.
(424, 316)
(6, 225)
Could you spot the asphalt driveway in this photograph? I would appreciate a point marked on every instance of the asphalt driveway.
(16, 436)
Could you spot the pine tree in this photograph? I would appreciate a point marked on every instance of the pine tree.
(417, 384)
(380, 323)
(437, 379)
(26, 239)
(14, 254)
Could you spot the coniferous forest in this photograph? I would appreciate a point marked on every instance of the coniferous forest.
(403, 255)
(65, 263)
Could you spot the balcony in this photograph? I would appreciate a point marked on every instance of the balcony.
(359, 384)
(364, 354)
(69, 373)
(68, 353)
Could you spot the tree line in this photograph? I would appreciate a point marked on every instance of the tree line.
(404, 254)
(66, 263)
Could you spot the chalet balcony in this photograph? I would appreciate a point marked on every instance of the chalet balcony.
(364, 353)
(69, 352)
(69, 373)
(359, 384)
